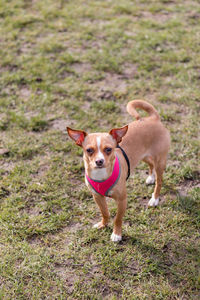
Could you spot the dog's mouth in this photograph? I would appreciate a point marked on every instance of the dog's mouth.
(99, 167)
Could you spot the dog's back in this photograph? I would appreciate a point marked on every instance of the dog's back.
(147, 136)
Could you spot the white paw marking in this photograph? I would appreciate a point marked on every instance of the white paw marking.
(116, 238)
(153, 201)
(96, 225)
(150, 179)
(99, 225)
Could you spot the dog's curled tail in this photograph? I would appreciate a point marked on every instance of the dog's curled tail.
(132, 105)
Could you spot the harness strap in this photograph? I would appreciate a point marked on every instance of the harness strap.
(127, 160)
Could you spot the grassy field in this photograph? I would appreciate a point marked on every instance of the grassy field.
(77, 63)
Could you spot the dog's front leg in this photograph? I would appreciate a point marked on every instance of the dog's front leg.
(121, 208)
(101, 202)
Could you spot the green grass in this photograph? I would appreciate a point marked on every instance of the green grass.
(77, 63)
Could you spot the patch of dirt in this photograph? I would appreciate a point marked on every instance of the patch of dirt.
(25, 93)
(7, 167)
(114, 81)
(194, 15)
(42, 169)
(34, 211)
(68, 233)
(129, 70)
(81, 68)
(126, 117)
(4, 151)
(186, 186)
(61, 124)
(86, 105)
(68, 275)
(30, 114)
(159, 17)
(27, 47)
(111, 84)
(177, 108)
(97, 22)
(35, 240)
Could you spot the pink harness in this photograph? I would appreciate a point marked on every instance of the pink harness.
(103, 187)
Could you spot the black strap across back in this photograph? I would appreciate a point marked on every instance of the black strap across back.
(127, 160)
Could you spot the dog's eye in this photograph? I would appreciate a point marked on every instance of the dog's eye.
(108, 150)
(90, 151)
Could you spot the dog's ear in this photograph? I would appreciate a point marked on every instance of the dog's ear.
(118, 133)
(77, 135)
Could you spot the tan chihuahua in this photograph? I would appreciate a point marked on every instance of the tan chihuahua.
(109, 158)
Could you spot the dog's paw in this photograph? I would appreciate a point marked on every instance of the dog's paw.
(99, 225)
(153, 201)
(116, 238)
(150, 179)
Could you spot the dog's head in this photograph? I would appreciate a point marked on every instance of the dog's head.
(98, 150)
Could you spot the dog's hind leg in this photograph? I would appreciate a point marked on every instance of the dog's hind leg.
(160, 165)
(151, 178)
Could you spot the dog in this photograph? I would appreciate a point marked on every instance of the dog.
(109, 158)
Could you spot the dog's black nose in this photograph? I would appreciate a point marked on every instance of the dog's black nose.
(99, 162)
